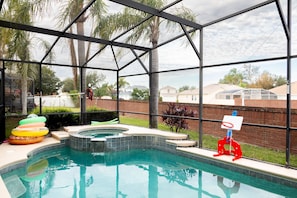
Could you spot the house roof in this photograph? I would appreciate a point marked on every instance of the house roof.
(282, 90)
(215, 88)
(211, 89)
(168, 87)
(189, 92)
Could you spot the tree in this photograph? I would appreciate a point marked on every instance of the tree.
(234, 77)
(92, 78)
(123, 83)
(68, 85)
(95, 79)
(267, 81)
(71, 9)
(16, 43)
(105, 90)
(279, 80)
(150, 30)
(138, 94)
(186, 87)
(50, 82)
(250, 72)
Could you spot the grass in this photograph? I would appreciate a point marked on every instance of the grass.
(11, 123)
(210, 142)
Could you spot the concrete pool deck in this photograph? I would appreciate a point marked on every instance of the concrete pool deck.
(14, 154)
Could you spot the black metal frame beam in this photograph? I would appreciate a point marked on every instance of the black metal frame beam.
(156, 12)
(1, 4)
(183, 22)
(288, 27)
(239, 12)
(29, 28)
(67, 27)
(128, 30)
(2, 104)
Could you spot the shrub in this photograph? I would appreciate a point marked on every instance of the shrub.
(60, 117)
(173, 117)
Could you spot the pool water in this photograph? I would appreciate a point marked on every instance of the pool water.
(65, 173)
(102, 132)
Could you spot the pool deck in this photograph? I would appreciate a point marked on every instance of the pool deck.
(13, 154)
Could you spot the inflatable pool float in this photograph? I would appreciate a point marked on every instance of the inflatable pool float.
(36, 171)
(114, 121)
(24, 140)
(32, 125)
(31, 120)
(38, 131)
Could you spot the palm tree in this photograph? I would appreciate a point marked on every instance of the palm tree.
(16, 43)
(122, 83)
(72, 9)
(149, 29)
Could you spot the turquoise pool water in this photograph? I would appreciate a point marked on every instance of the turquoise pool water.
(102, 132)
(66, 173)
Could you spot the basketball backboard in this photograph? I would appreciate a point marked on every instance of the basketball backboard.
(229, 120)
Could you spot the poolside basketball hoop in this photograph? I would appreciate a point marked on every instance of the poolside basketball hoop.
(227, 125)
(230, 123)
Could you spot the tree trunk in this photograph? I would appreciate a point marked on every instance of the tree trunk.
(154, 77)
(73, 61)
(24, 87)
(154, 88)
(81, 61)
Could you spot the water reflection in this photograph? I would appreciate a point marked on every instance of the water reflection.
(228, 190)
(145, 173)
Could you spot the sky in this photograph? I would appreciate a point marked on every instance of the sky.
(256, 34)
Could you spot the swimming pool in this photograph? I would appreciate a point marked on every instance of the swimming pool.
(64, 172)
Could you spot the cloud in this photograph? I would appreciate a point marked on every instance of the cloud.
(256, 34)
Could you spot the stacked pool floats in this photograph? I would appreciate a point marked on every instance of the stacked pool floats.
(30, 130)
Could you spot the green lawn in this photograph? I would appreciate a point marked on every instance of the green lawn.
(210, 142)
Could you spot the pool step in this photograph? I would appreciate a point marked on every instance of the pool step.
(60, 135)
(182, 143)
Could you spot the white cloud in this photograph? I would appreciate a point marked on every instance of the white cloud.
(257, 34)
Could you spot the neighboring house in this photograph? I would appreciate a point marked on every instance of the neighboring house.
(168, 94)
(246, 94)
(125, 95)
(188, 96)
(209, 94)
(281, 91)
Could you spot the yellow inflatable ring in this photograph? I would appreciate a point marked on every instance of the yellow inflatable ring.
(30, 132)
(32, 120)
(32, 125)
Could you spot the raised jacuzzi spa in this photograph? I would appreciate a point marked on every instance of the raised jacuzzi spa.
(117, 137)
(102, 133)
(94, 138)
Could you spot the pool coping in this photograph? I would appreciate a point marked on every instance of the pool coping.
(131, 131)
(12, 155)
(259, 166)
(16, 154)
